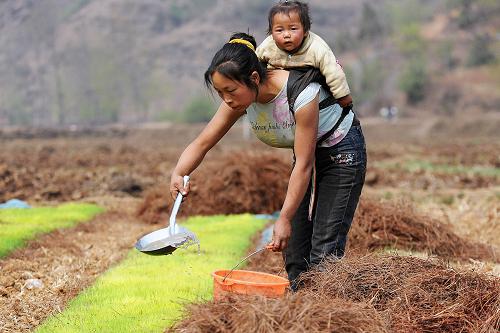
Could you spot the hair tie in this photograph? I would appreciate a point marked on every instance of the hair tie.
(242, 41)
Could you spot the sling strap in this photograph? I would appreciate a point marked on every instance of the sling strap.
(298, 79)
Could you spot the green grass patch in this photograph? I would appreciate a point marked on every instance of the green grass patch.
(422, 165)
(17, 226)
(146, 293)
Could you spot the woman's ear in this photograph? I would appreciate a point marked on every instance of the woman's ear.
(255, 77)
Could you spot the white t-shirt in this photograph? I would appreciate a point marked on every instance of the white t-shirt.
(274, 124)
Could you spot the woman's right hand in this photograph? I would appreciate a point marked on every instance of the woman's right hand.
(177, 185)
(192, 156)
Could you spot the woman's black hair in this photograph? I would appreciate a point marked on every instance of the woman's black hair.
(237, 62)
(286, 7)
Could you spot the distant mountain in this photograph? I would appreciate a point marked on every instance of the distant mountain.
(93, 61)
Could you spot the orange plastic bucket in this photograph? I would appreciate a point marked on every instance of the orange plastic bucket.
(248, 283)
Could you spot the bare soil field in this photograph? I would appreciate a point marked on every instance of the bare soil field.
(436, 197)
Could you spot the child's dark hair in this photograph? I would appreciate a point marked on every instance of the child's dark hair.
(237, 61)
(285, 7)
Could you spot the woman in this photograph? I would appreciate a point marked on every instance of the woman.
(306, 230)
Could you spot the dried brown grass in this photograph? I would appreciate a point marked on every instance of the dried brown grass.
(399, 225)
(414, 295)
(300, 312)
(226, 187)
(369, 293)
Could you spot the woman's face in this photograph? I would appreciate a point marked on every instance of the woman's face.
(235, 94)
(288, 31)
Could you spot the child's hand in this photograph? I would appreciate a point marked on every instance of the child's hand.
(344, 101)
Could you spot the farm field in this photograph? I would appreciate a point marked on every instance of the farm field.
(21, 225)
(422, 198)
(146, 293)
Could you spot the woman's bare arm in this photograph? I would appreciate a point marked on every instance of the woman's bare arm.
(191, 157)
(306, 132)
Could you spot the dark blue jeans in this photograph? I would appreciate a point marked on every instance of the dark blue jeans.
(340, 172)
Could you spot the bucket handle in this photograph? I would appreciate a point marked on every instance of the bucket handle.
(242, 260)
(226, 283)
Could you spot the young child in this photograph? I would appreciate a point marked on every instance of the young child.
(291, 44)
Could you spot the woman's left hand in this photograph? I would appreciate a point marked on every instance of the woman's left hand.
(281, 234)
(306, 132)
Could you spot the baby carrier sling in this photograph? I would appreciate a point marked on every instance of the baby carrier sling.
(298, 79)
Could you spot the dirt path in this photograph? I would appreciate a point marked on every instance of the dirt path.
(66, 262)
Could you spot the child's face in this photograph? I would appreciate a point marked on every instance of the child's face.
(288, 31)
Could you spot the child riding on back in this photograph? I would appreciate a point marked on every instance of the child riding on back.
(291, 44)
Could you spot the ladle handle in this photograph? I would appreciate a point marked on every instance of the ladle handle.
(177, 204)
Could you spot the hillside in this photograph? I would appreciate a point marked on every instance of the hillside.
(88, 62)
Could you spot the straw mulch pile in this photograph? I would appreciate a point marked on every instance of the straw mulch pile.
(380, 225)
(300, 312)
(243, 182)
(415, 295)
(370, 293)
